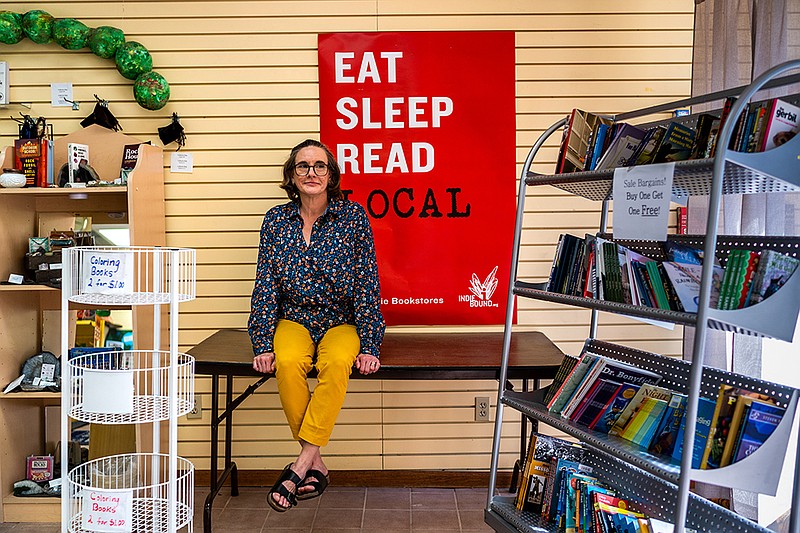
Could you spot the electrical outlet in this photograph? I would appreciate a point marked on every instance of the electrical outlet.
(481, 408)
(197, 412)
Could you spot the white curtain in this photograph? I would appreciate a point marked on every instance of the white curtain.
(734, 42)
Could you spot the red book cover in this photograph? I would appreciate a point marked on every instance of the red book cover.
(30, 157)
(683, 220)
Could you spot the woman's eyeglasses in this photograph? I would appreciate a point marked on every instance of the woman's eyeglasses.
(320, 169)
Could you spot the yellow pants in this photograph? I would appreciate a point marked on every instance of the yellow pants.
(311, 417)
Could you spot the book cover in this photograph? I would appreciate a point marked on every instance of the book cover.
(726, 109)
(638, 418)
(780, 125)
(76, 154)
(130, 156)
(705, 412)
(762, 419)
(544, 448)
(676, 144)
(597, 402)
(30, 156)
(732, 268)
(625, 141)
(685, 279)
(598, 144)
(741, 284)
(740, 411)
(646, 151)
(702, 129)
(519, 499)
(672, 297)
(581, 403)
(666, 433)
(718, 434)
(573, 486)
(567, 364)
(645, 391)
(773, 270)
(634, 257)
(571, 383)
(657, 284)
(579, 131)
(606, 419)
(648, 429)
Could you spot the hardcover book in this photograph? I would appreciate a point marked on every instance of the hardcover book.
(623, 145)
(30, 155)
(645, 391)
(780, 125)
(580, 130)
(760, 423)
(705, 413)
(604, 421)
(666, 433)
(76, 154)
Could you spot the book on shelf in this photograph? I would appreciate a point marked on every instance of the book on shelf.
(760, 421)
(685, 279)
(586, 518)
(773, 270)
(31, 156)
(575, 480)
(576, 141)
(598, 144)
(644, 416)
(542, 449)
(666, 434)
(567, 364)
(572, 381)
(77, 154)
(645, 391)
(646, 151)
(605, 420)
(626, 138)
(705, 413)
(596, 401)
(740, 411)
(703, 126)
(608, 369)
(715, 132)
(781, 123)
(130, 157)
(676, 143)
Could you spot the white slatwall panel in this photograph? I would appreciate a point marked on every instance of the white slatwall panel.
(243, 77)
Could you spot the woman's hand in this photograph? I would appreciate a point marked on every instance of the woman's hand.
(264, 363)
(367, 364)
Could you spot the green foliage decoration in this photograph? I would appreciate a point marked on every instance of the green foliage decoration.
(132, 59)
(10, 27)
(38, 26)
(70, 33)
(151, 90)
(104, 41)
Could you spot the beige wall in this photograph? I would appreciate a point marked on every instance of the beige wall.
(243, 77)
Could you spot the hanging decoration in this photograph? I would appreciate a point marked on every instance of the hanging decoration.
(173, 132)
(133, 60)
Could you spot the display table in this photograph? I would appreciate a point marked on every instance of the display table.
(413, 356)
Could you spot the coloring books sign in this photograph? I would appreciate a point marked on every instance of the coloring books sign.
(423, 126)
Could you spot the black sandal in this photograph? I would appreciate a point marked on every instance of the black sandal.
(280, 489)
(319, 485)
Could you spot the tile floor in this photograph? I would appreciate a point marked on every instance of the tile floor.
(340, 510)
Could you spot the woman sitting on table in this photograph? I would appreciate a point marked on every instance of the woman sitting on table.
(315, 301)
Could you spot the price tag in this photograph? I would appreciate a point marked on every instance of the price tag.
(641, 201)
(107, 510)
(107, 273)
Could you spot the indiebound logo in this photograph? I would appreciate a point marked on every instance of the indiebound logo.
(481, 292)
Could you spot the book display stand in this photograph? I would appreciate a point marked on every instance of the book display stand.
(146, 492)
(659, 484)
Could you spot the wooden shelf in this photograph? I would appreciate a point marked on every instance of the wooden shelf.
(45, 509)
(31, 396)
(65, 192)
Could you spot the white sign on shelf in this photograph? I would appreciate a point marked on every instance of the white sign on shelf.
(107, 273)
(641, 201)
(107, 391)
(107, 510)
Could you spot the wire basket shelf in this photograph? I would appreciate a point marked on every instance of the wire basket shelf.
(138, 485)
(140, 379)
(113, 275)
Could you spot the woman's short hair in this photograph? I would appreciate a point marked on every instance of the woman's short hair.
(334, 173)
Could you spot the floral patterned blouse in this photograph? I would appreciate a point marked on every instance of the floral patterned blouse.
(332, 281)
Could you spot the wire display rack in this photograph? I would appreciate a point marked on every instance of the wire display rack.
(147, 375)
(138, 484)
(150, 491)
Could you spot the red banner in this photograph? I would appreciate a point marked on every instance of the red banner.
(423, 126)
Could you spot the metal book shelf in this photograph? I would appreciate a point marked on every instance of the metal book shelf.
(618, 461)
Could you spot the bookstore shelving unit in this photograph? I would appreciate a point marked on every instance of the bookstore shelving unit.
(659, 484)
(25, 310)
(148, 492)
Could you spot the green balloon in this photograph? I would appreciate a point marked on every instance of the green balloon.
(11, 27)
(133, 59)
(38, 26)
(151, 90)
(105, 40)
(70, 33)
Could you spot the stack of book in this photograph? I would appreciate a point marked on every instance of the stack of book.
(565, 492)
(593, 267)
(596, 142)
(613, 397)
